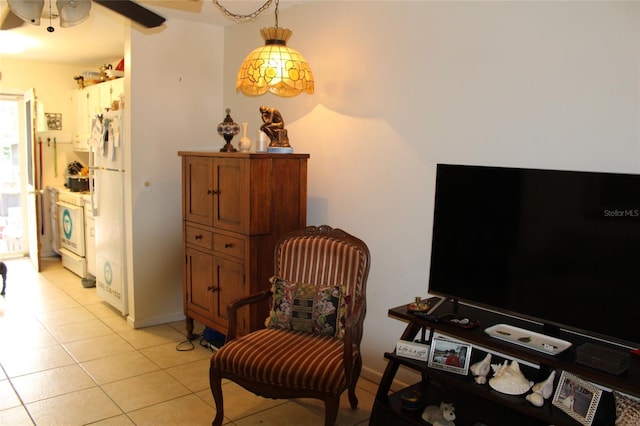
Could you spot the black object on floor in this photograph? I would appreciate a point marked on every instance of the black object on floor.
(212, 338)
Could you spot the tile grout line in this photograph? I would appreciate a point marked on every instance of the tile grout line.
(15, 391)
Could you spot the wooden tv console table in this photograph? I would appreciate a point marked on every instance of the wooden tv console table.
(480, 404)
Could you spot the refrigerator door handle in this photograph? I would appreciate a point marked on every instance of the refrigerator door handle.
(92, 176)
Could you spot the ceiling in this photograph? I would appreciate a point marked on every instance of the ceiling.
(100, 38)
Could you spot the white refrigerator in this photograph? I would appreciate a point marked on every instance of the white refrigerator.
(107, 167)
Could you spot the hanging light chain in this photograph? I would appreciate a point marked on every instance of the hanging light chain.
(277, 3)
(247, 17)
(50, 27)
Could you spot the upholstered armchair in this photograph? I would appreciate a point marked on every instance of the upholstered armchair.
(310, 347)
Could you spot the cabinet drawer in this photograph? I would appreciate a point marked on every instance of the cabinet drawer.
(228, 245)
(199, 237)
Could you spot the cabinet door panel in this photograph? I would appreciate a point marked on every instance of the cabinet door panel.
(83, 120)
(199, 283)
(231, 205)
(229, 280)
(116, 90)
(93, 101)
(198, 190)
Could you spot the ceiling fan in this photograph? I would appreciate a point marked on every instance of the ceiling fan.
(73, 12)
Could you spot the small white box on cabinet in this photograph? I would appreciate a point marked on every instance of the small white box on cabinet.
(412, 350)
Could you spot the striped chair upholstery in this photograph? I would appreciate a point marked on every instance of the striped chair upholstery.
(279, 363)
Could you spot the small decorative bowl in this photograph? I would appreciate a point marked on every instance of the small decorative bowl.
(418, 307)
(411, 400)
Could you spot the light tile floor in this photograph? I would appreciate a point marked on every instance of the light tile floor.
(67, 358)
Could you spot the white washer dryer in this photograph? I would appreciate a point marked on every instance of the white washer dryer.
(71, 232)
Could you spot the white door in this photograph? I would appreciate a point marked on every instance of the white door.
(13, 235)
(35, 202)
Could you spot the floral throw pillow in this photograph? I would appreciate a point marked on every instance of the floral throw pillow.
(302, 308)
(330, 309)
(306, 307)
(319, 310)
(280, 314)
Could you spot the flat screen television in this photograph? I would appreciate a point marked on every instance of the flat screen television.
(560, 248)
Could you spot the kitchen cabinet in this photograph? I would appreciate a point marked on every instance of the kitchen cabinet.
(480, 404)
(110, 91)
(83, 118)
(89, 102)
(235, 207)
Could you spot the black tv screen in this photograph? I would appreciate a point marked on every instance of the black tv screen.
(556, 247)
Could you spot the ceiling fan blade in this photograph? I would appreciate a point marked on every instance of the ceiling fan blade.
(10, 20)
(133, 11)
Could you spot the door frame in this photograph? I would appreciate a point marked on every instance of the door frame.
(32, 186)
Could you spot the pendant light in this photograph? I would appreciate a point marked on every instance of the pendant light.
(274, 67)
(73, 12)
(29, 11)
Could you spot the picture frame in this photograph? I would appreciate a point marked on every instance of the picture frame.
(54, 120)
(576, 397)
(449, 354)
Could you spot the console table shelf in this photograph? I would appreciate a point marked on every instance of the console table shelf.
(480, 403)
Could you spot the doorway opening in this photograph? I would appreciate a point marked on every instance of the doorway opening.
(13, 224)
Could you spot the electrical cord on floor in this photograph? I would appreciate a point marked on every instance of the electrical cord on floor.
(187, 345)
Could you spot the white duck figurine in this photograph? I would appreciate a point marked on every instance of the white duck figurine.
(481, 369)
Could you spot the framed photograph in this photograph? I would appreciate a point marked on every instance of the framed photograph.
(54, 120)
(449, 354)
(577, 398)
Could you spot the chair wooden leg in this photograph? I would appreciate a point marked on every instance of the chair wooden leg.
(353, 399)
(331, 407)
(215, 383)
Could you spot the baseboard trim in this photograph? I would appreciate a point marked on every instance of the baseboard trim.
(376, 376)
(157, 320)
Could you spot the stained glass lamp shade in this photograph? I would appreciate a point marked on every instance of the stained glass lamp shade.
(275, 68)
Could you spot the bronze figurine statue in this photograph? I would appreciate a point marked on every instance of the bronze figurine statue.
(273, 127)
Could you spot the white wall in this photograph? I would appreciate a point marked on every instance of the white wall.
(173, 103)
(404, 85)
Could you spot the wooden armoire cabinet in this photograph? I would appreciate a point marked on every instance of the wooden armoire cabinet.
(235, 206)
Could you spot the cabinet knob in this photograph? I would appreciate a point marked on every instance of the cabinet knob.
(213, 289)
(212, 192)
(198, 237)
(228, 245)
